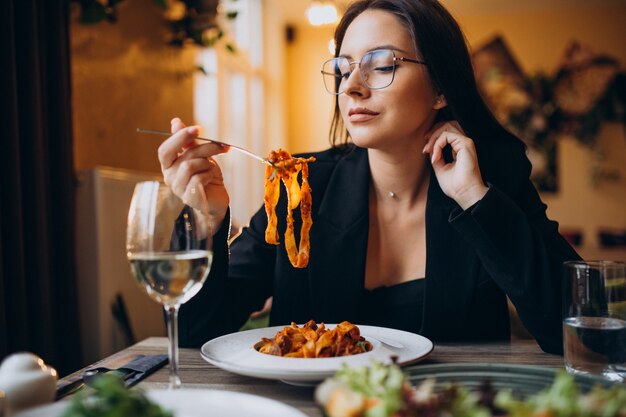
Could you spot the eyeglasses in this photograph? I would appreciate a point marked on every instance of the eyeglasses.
(378, 69)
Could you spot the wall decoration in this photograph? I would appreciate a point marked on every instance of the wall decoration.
(586, 89)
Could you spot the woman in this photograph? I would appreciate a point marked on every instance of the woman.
(425, 222)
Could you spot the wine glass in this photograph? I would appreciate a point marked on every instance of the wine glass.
(169, 247)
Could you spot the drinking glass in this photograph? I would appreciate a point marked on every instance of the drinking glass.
(169, 247)
(594, 318)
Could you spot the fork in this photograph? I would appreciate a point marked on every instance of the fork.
(217, 142)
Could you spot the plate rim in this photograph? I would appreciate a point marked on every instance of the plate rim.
(504, 369)
(157, 394)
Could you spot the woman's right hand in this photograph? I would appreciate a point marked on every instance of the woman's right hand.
(187, 164)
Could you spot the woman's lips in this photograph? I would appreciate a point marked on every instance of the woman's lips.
(360, 114)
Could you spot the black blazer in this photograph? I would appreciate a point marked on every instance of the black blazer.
(504, 244)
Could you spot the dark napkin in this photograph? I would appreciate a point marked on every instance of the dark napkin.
(137, 369)
(131, 373)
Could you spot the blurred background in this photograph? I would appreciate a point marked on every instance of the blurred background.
(82, 76)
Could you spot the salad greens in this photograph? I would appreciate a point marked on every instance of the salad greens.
(112, 399)
(378, 381)
(564, 399)
(385, 391)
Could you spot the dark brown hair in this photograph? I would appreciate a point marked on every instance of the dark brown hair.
(440, 42)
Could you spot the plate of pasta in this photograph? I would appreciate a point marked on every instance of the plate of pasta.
(252, 352)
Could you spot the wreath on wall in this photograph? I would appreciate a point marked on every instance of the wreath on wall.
(190, 21)
(586, 90)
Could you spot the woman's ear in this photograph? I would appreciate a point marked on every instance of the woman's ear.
(440, 102)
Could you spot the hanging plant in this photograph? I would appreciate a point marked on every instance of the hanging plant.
(94, 11)
(196, 21)
(190, 21)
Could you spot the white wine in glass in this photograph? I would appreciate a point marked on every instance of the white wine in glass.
(169, 247)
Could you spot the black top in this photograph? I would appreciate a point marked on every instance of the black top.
(397, 306)
(503, 245)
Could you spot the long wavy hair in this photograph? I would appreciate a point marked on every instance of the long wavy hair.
(439, 40)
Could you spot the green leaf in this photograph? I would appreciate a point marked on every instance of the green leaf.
(161, 3)
(112, 398)
(383, 382)
(232, 14)
(231, 48)
(93, 13)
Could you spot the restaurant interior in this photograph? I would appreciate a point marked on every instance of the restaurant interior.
(79, 83)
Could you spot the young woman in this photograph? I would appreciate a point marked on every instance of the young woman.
(424, 218)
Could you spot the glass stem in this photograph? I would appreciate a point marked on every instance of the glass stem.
(172, 333)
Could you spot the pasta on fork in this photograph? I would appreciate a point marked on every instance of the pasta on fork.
(286, 168)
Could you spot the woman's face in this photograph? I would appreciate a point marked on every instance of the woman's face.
(400, 114)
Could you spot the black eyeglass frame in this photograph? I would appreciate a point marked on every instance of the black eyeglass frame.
(338, 78)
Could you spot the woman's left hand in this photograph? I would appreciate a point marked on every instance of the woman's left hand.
(460, 179)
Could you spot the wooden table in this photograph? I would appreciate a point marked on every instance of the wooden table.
(195, 372)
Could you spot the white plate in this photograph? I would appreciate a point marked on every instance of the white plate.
(235, 353)
(196, 403)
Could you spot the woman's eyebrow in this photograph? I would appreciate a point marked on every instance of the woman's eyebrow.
(392, 47)
(386, 46)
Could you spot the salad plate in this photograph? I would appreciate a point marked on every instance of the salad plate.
(235, 353)
(522, 380)
(468, 389)
(195, 403)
